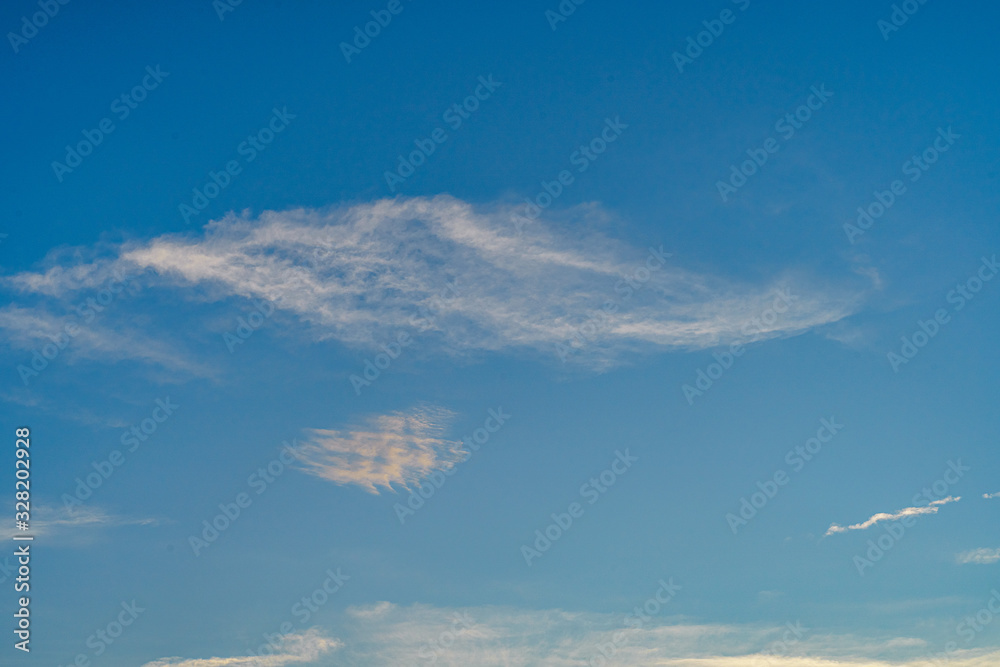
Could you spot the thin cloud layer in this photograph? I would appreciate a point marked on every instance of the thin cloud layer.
(362, 274)
(82, 522)
(389, 634)
(307, 647)
(399, 448)
(979, 556)
(931, 508)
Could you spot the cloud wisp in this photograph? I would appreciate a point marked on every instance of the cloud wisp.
(53, 521)
(931, 508)
(384, 633)
(360, 274)
(303, 648)
(979, 556)
(399, 448)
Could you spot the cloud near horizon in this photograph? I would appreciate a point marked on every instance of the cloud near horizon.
(384, 633)
(459, 276)
(930, 508)
(306, 647)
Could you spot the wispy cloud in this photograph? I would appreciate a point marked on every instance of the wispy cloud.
(979, 556)
(486, 636)
(931, 508)
(991, 495)
(398, 448)
(59, 521)
(30, 329)
(359, 274)
(307, 647)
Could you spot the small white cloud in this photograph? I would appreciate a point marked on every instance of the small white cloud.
(931, 508)
(991, 495)
(979, 556)
(398, 448)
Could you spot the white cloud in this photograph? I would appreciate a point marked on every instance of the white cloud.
(991, 495)
(307, 647)
(384, 633)
(361, 274)
(931, 508)
(979, 556)
(398, 448)
(389, 634)
(32, 329)
(49, 521)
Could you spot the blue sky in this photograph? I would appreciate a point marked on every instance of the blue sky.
(511, 339)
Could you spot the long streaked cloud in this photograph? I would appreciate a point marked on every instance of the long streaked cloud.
(30, 328)
(306, 647)
(58, 521)
(399, 448)
(485, 636)
(360, 274)
(988, 496)
(930, 508)
(979, 556)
